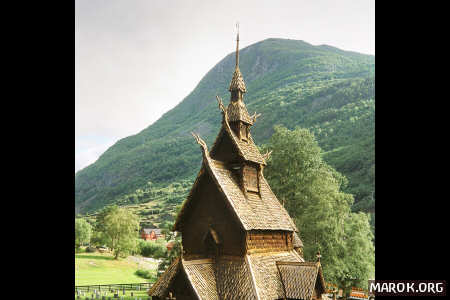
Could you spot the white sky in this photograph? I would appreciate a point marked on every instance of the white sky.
(137, 59)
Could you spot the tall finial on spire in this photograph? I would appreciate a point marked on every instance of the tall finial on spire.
(237, 45)
(237, 82)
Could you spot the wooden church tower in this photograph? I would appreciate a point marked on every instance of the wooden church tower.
(238, 241)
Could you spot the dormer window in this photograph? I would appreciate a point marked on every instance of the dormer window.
(250, 176)
(244, 132)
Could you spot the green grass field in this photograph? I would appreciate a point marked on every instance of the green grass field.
(101, 268)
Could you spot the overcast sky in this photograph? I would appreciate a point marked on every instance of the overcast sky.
(137, 59)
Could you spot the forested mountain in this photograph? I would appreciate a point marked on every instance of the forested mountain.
(290, 82)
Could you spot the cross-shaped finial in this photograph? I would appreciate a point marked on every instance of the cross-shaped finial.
(170, 297)
(255, 116)
(266, 156)
(318, 255)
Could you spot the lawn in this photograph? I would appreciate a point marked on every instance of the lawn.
(101, 268)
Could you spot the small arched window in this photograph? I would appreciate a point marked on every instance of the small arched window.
(244, 132)
(211, 242)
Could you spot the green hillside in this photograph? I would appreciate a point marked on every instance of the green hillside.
(155, 207)
(290, 82)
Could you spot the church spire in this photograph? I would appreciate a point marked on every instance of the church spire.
(237, 112)
(237, 85)
(237, 46)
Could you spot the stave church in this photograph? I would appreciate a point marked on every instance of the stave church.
(238, 241)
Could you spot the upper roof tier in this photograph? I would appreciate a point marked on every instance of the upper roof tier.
(238, 112)
(254, 212)
(237, 82)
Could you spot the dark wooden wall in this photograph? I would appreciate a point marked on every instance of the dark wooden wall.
(210, 210)
(181, 288)
(226, 151)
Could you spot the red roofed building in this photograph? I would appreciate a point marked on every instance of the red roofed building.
(357, 293)
(151, 234)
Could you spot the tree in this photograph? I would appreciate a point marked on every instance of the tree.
(100, 217)
(311, 191)
(83, 232)
(98, 236)
(119, 229)
(358, 264)
(173, 238)
(171, 255)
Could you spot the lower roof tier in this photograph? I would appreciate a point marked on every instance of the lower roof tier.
(275, 275)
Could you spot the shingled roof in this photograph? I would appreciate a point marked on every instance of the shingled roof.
(238, 112)
(299, 278)
(160, 287)
(237, 82)
(297, 242)
(201, 275)
(246, 149)
(254, 276)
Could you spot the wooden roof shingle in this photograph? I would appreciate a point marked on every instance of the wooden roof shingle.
(266, 274)
(237, 111)
(237, 82)
(159, 288)
(202, 277)
(299, 278)
(234, 279)
(296, 241)
(253, 211)
(246, 149)
(254, 276)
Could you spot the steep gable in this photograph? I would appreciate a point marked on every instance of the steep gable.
(254, 211)
(214, 228)
(224, 149)
(247, 150)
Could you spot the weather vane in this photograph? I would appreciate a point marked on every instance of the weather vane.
(237, 44)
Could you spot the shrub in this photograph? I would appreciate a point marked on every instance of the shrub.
(144, 274)
(152, 249)
(90, 249)
(145, 248)
(160, 252)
